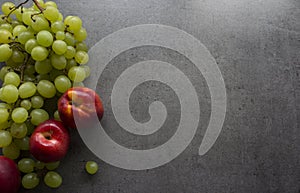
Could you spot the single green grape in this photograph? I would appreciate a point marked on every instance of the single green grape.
(6, 52)
(37, 102)
(81, 46)
(70, 52)
(5, 36)
(12, 78)
(26, 165)
(18, 130)
(5, 138)
(46, 89)
(11, 151)
(58, 26)
(39, 165)
(81, 57)
(29, 69)
(25, 36)
(18, 29)
(51, 13)
(76, 74)
(6, 26)
(39, 23)
(71, 63)
(27, 89)
(38, 116)
(39, 53)
(17, 56)
(30, 44)
(69, 39)
(74, 23)
(60, 35)
(43, 67)
(91, 167)
(7, 7)
(53, 179)
(59, 62)
(62, 83)
(4, 114)
(5, 125)
(52, 165)
(26, 104)
(9, 93)
(80, 35)
(44, 38)
(30, 181)
(4, 70)
(19, 115)
(59, 47)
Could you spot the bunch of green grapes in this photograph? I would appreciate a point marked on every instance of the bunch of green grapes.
(44, 55)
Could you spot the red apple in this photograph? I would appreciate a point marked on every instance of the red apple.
(50, 141)
(81, 103)
(10, 178)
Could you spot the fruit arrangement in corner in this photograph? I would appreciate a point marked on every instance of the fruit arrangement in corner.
(42, 91)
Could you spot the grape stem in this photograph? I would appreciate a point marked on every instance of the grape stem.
(38, 5)
(15, 8)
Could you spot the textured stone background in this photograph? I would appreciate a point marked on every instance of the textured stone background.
(256, 44)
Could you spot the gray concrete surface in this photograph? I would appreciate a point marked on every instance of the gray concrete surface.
(256, 45)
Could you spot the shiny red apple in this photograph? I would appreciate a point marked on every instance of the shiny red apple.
(10, 178)
(50, 141)
(79, 103)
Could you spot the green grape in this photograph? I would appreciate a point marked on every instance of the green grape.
(44, 38)
(4, 70)
(60, 35)
(18, 130)
(76, 74)
(5, 51)
(52, 165)
(17, 56)
(18, 29)
(70, 64)
(43, 67)
(26, 17)
(53, 179)
(78, 84)
(60, 17)
(27, 89)
(30, 44)
(5, 36)
(46, 89)
(25, 36)
(69, 39)
(54, 73)
(91, 167)
(74, 23)
(81, 46)
(59, 47)
(80, 35)
(7, 27)
(87, 70)
(67, 19)
(9, 93)
(12, 78)
(59, 62)
(18, 14)
(39, 53)
(4, 115)
(22, 144)
(11, 151)
(56, 115)
(6, 106)
(26, 165)
(26, 104)
(37, 102)
(30, 181)
(39, 165)
(12, 64)
(30, 69)
(70, 53)
(7, 7)
(58, 26)
(19, 115)
(62, 83)
(5, 125)
(29, 77)
(5, 138)
(38, 116)
(51, 13)
(39, 24)
(51, 3)
(81, 57)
